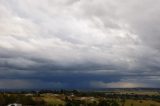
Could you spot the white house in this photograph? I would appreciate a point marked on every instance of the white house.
(14, 104)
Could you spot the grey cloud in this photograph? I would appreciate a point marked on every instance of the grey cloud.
(110, 37)
(19, 84)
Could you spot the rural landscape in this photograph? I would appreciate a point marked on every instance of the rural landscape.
(109, 97)
(79, 52)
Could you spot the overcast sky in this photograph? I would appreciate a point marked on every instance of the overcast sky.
(79, 43)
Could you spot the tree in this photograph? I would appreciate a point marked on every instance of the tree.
(114, 103)
(104, 103)
(2, 100)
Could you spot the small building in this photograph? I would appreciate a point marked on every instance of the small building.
(14, 104)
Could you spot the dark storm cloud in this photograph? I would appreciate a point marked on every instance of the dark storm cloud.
(82, 43)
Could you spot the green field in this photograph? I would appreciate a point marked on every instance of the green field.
(51, 100)
(141, 103)
(56, 100)
(87, 98)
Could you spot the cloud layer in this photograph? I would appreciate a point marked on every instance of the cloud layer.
(79, 43)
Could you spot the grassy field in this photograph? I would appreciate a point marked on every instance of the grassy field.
(136, 92)
(54, 100)
(141, 103)
(76, 98)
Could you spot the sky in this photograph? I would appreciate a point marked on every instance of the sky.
(79, 44)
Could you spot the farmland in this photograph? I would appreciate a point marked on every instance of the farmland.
(118, 97)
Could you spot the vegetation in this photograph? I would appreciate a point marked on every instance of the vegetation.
(77, 98)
